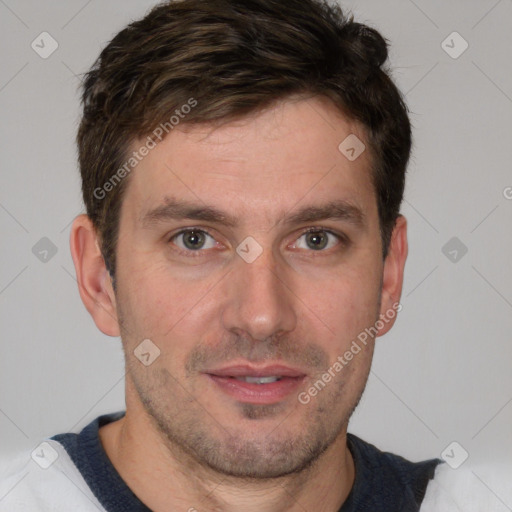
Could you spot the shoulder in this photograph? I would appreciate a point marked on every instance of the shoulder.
(385, 481)
(390, 465)
(51, 476)
(44, 480)
(471, 488)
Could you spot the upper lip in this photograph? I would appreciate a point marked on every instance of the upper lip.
(254, 371)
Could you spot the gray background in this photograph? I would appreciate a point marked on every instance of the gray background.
(442, 374)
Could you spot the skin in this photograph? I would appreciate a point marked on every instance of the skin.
(184, 443)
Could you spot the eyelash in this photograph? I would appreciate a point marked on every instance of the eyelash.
(342, 239)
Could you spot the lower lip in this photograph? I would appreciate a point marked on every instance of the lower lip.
(257, 393)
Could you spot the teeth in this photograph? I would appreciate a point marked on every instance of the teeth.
(259, 380)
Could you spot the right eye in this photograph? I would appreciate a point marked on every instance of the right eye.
(193, 240)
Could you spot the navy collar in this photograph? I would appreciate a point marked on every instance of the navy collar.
(384, 482)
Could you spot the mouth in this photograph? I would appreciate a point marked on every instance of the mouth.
(257, 385)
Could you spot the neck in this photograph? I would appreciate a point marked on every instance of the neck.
(164, 477)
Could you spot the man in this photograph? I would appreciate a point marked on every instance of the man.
(243, 166)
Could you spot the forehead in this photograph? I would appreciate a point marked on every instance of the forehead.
(261, 165)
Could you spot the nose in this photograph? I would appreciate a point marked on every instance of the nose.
(259, 302)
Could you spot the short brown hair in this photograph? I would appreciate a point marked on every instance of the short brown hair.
(234, 57)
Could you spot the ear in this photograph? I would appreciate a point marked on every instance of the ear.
(94, 283)
(393, 275)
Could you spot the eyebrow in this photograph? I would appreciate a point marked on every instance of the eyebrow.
(174, 209)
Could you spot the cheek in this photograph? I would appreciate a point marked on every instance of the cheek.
(142, 299)
(347, 300)
(160, 305)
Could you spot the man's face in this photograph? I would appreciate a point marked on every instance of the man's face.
(223, 318)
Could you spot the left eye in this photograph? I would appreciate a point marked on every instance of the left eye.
(318, 240)
(194, 240)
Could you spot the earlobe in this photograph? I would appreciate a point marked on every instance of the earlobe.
(393, 275)
(94, 283)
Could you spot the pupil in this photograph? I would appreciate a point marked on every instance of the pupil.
(319, 240)
(193, 239)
